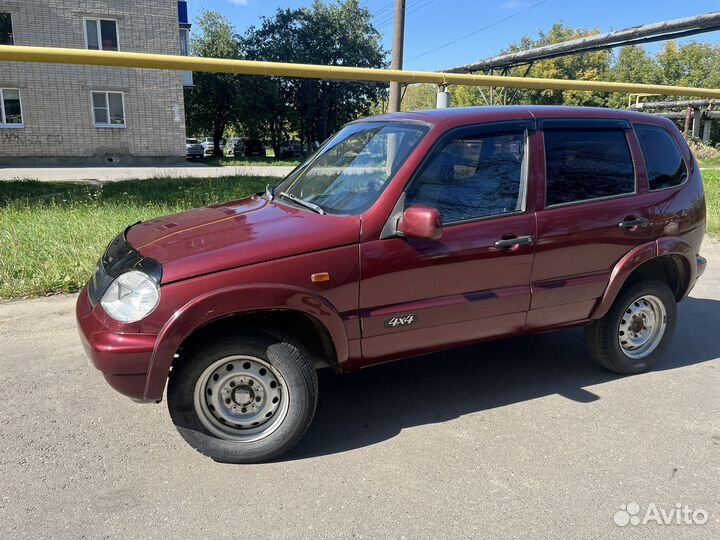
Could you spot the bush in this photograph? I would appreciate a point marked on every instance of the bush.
(705, 153)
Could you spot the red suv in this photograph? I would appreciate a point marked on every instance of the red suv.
(403, 235)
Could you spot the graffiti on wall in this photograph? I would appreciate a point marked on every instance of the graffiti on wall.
(24, 139)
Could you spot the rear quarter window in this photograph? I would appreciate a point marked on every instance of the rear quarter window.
(663, 160)
(583, 164)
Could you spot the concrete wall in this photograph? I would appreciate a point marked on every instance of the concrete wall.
(56, 99)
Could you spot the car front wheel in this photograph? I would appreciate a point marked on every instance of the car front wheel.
(244, 400)
(637, 330)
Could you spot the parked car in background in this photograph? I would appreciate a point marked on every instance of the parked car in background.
(209, 146)
(194, 148)
(403, 235)
(291, 149)
(250, 148)
(229, 149)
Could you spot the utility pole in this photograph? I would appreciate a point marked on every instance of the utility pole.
(397, 56)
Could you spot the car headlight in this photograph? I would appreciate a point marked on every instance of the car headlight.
(131, 297)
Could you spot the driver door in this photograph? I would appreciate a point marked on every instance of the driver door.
(419, 295)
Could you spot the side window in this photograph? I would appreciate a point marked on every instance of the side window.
(585, 163)
(101, 34)
(663, 160)
(10, 108)
(6, 29)
(108, 109)
(473, 176)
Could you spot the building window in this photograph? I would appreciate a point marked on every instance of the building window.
(101, 34)
(6, 29)
(10, 108)
(185, 42)
(183, 12)
(108, 109)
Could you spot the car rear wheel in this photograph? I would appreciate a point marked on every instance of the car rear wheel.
(244, 400)
(637, 330)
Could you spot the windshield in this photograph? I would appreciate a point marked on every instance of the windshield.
(348, 173)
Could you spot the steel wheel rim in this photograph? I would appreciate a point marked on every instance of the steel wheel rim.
(241, 398)
(642, 326)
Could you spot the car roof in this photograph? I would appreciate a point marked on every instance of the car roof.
(463, 115)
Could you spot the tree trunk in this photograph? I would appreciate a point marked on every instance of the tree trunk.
(218, 133)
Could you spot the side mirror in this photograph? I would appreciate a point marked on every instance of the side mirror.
(421, 222)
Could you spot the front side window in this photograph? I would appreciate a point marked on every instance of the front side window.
(473, 175)
(350, 171)
(663, 160)
(101, 34)
(6, 29)
(108, 109)
(583, 164)
(10, 108)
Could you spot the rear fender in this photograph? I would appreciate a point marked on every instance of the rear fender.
(222, 303)
(672, 245)
(665, 246)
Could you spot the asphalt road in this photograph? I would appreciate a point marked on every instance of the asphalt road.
(521, 438)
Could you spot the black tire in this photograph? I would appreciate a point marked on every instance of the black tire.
(288, 358)
(602, 335)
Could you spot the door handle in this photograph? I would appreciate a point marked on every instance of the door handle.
(631, 223)
(507, 243)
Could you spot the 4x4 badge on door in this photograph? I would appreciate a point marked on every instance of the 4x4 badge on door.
(402, 320)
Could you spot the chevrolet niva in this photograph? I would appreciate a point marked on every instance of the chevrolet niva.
(402, 235)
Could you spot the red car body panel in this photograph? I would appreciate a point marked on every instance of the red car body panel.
(461, 287)
(238, 233)
(256, 255)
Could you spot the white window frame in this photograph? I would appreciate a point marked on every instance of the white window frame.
(97, 20)
(107, 103)
(185, 41)
(12, 27)
(3, 124)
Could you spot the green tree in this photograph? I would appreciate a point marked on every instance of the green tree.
(468, 96)
(419, 97)
(692, 64)
(590, 66)
(333, 34)
(268, 107)
(632, 65)
(214, 104)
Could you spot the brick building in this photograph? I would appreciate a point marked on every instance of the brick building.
(92, 114)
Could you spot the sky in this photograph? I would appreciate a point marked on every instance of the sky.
(443, 33)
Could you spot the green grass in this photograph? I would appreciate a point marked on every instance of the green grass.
(228, 161)
(710, 163)
(52, 233)
(711, 179)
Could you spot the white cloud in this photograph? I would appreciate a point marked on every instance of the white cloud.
(240, 2)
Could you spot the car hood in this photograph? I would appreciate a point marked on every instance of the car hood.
(236, 234)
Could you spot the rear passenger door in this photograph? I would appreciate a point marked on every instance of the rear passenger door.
(596, 209)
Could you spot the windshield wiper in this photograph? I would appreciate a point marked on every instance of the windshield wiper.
(306, 204)
(270, 192)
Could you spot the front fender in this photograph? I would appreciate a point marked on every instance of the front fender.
(665, 246)
(232, 301)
